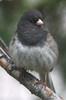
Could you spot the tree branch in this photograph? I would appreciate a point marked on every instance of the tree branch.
(28, 80)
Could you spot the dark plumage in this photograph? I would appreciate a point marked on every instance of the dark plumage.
(28, 32)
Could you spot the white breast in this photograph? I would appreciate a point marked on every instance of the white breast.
(34, 58)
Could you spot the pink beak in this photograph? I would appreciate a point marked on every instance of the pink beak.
(39, 22)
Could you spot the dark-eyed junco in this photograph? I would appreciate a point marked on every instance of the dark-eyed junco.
(32, 46)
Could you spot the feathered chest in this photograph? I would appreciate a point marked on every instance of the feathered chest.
(34, 58)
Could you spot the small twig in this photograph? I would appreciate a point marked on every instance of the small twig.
(28, 80)
(3, 43)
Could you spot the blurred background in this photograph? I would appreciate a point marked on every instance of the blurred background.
(54, 12)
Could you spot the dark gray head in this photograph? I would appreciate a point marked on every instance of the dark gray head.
(32, 16)
(31, 29)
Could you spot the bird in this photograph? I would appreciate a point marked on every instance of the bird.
(33, 47)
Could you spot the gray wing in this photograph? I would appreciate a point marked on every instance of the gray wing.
(46, 76)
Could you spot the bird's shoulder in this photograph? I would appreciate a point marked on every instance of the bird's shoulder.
(52, 43)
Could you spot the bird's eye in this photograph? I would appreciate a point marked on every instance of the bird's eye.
(33, 21)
